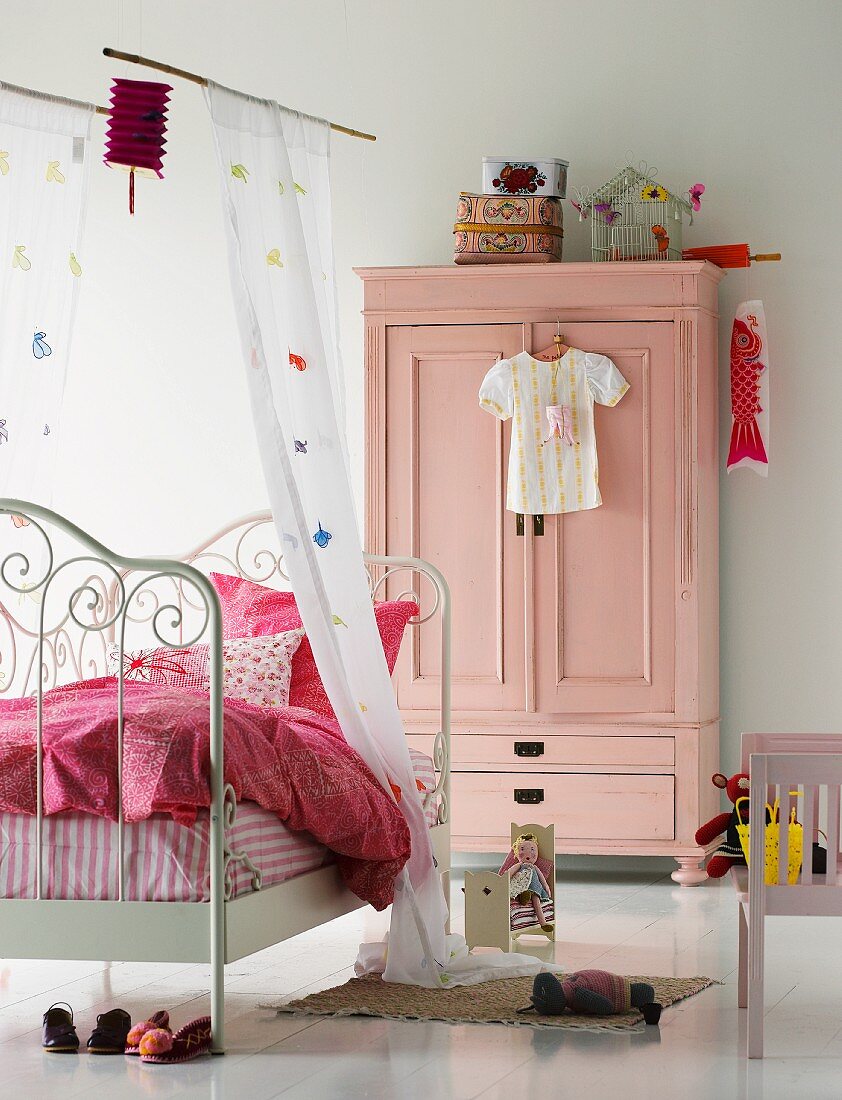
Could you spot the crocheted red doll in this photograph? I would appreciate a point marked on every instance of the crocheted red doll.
(729, 853)
(592, 992)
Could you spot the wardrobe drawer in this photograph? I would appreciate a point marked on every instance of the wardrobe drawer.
(581, 805)
(537, 750)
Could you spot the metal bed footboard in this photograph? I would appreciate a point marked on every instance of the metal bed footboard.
(109, 593)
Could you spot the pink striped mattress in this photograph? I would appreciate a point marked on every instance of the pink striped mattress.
(164, 861)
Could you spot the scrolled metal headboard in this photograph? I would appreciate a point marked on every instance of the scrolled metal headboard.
(71, 604)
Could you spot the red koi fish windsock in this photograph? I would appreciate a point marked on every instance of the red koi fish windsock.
(749, 390)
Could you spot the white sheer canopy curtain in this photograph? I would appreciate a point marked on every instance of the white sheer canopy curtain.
(44, 169)
(274, 166)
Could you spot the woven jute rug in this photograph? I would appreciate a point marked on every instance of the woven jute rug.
(487, 1003)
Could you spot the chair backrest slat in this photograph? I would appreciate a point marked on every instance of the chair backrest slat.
(783, 833)
(809, 816)
(757, 836)
(832, 834)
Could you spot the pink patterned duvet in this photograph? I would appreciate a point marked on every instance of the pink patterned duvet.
(290, 761)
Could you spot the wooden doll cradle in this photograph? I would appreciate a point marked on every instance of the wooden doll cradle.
(488, 908)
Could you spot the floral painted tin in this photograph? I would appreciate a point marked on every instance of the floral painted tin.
(504, 176)
(516, 229)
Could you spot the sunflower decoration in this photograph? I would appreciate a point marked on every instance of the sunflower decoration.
(653, 192)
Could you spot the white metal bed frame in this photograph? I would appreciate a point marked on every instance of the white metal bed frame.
(113, 593)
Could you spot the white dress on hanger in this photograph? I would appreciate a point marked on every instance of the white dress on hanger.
(548, 476)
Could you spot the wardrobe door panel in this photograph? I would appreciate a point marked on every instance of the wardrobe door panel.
(604, 578)
(445, 497)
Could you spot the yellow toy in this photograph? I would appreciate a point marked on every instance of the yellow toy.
(795, 843)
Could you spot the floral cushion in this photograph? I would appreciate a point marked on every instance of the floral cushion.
(249, 609)
(257, 670)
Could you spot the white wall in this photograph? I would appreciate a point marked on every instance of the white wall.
(742, 96)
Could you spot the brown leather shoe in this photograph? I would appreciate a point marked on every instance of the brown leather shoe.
(58, 1032)
(109, 1035)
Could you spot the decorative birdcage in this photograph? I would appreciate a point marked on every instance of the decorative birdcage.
(634, 218)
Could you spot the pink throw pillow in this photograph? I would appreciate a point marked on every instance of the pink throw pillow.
(249, 609)
(181, 667)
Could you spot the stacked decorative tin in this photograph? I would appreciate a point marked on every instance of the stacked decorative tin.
(518, 218)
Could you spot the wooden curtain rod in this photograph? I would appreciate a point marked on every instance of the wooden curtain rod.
(62, 99)
(136, 59)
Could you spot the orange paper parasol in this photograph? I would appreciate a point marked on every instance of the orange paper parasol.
(727, 255)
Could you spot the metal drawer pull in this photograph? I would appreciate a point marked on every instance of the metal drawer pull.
(529, 748)
(529, 796)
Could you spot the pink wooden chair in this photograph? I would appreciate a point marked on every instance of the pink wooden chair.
(808, 777)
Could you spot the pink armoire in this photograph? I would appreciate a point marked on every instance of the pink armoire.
(585, 649)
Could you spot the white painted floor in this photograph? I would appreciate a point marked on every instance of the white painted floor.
(631, 923)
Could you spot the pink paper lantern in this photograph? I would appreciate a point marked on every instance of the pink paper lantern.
(138, 122)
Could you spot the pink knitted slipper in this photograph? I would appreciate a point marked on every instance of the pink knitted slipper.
(188, 1042)
(161, 1021)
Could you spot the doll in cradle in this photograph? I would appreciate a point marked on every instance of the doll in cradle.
(527, 884)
